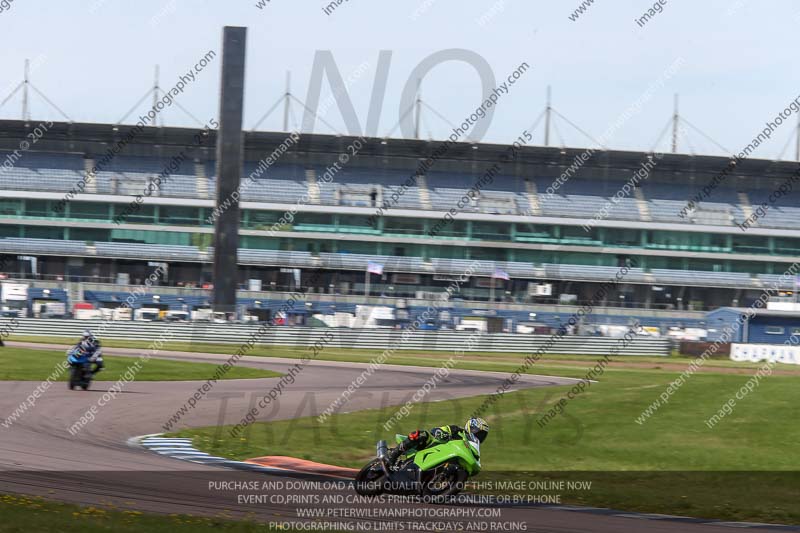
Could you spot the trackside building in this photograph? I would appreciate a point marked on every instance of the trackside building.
(765, 326)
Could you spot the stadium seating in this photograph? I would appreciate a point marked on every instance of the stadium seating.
(49, 246)
(144, 251)
(42, 171)
(288, 183)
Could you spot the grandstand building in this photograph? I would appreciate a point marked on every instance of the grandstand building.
(554, 248)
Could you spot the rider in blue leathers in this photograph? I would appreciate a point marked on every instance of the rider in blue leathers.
(89, 348)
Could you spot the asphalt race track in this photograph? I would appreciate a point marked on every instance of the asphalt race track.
(38, 456)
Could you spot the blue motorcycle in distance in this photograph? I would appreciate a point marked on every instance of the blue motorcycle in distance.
(80, 369)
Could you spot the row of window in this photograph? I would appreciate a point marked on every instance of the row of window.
(425, 250)
(780, 330)
(410, 227)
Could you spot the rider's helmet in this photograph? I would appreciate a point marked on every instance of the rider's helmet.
(478, 427)
(87, 340)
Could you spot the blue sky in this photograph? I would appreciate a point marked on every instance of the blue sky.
(739, 68)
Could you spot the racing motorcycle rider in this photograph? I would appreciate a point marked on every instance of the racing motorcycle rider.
(89, 345)
(421, 439)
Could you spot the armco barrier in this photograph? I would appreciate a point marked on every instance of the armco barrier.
(450, 341)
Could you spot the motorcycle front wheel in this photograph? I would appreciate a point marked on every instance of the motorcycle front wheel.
(444, 482)
(369, 480)
(74, 377)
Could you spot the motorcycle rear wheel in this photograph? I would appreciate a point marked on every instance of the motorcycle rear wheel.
(369, 480)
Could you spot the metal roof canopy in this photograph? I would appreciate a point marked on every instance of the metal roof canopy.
(760, 312)
(400, 154)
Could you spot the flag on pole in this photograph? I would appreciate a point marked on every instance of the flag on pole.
(500, 274)
(374, 268)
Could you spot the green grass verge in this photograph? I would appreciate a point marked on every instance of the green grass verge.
(23, 514)
(22, 364)
(672, 463)
(497, 361)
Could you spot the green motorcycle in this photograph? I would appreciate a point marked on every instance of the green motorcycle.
(435, 472)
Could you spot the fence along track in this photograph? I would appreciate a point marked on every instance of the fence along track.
(445, 341)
